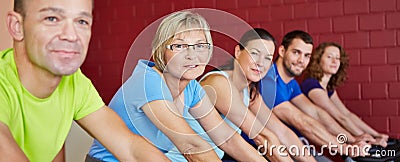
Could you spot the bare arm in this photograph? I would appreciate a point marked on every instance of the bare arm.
(9, 149)
(305, 105)
(286, 136)
(228, 101)
(106, 126)
(222, 134)
(308, 126)
(357, 121)
(321, 99)
(169, 120)
(61, 155)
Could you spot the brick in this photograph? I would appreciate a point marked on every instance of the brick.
(281, 12)
(226, 4)
(354, 57)
(320, 25)
(144, 10)
(374, 91)
(394, 124)
(373, 56)
(331, 8)
(350, 91)
(356, 6)
(380, 124)
(295, 25)
(394, 55)
(248, 4)
(356, 40)
(275, 28)
(308, 10)
(383, 38)
(392, 20)
(386, 5)
(338, 38)
(259, 14)
(205, 4)
(106, 14)
(162, 8)
(398, 37)
(271, 2)
(398, 4)
(124, 12)
(385, 108)
(240, 13)
(359, 74)
(345, 24)
(394, 90)
(360, 107)
(293, 1)
(180, 5)
(372, 22)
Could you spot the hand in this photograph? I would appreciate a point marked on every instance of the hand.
(380, 141)
(365, 137)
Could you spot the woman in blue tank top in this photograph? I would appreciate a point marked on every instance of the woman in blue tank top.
(163, 102)
(327, 70)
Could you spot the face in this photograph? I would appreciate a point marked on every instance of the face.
(296, 57)
(187, 64)
(57, 34)
(330, 60)
(256, 58)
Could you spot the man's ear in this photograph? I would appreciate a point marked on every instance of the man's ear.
(14, 25)
(237, 51)
(281, 51)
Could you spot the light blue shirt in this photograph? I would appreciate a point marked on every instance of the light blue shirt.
(146, 85)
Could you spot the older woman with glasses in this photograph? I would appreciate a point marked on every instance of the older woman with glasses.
(163, 102)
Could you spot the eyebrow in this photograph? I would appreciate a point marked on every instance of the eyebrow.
(61, 11)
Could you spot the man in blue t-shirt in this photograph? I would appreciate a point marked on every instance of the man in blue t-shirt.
(281, 92)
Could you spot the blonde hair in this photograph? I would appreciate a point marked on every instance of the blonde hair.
(170, 26)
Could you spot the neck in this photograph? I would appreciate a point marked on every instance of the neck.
(283, 73)
(38, 81)
(175, 85)
(325, 80)
(238, 78)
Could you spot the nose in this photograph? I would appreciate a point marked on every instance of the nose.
(190, 54)
(68, 32)
(300, 59)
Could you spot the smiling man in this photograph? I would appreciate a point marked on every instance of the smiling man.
(42, 89)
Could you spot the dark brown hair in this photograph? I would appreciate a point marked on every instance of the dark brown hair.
(252, 34)
(314, 69)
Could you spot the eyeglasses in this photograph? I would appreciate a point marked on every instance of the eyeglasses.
(198, 47)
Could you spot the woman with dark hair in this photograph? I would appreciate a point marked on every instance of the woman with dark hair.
(234, 90)
(326, 71)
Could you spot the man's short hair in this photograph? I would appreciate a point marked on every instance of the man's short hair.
(288, 38)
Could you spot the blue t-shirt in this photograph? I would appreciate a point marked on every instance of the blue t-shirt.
(310, 83)
(146, 85)
(275, 91)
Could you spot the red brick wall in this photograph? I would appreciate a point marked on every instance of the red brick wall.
(368, 29)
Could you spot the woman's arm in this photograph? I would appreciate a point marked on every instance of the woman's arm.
(222, 134)
(357, 121)
(169, 120)
(229, 102)
(321, 99)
